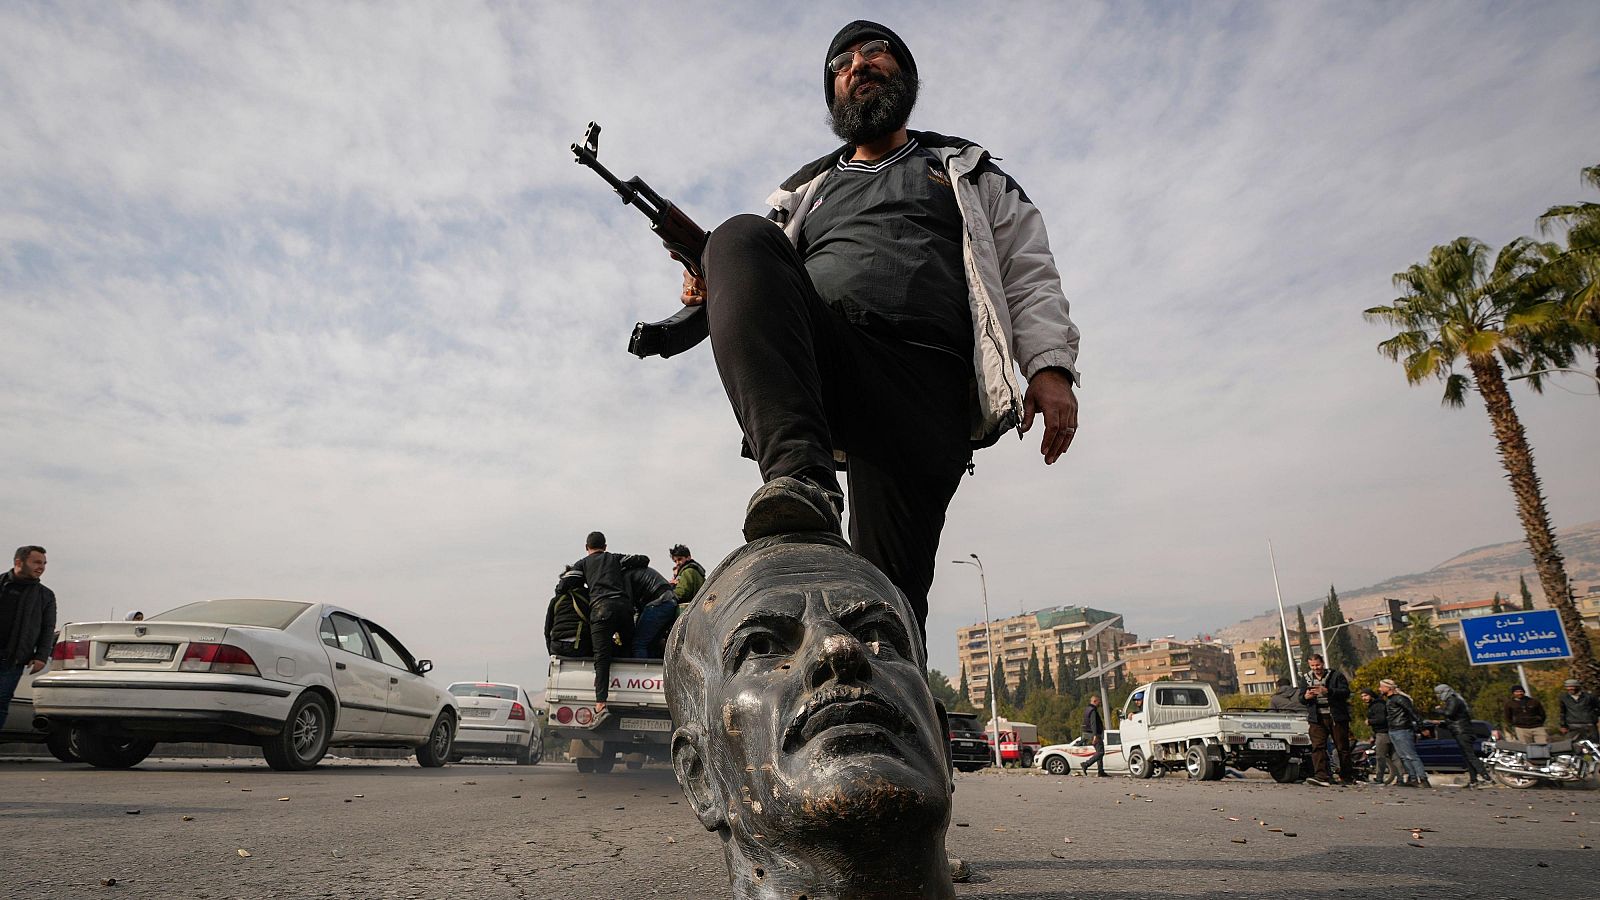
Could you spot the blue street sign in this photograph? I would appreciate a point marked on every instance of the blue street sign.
(1527, 636)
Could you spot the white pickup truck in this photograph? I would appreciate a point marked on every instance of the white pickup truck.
(636, 724)
(1168, 724)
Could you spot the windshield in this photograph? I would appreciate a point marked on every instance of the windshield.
(469, 689)
(264, 613)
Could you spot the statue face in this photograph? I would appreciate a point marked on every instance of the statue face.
(819, 715)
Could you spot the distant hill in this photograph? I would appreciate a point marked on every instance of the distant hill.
(1474, 575)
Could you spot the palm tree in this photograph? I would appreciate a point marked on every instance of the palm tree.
(1457, 307)
(1578, 267)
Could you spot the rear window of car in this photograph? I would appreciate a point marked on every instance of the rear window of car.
(503, 691)
(264, 613)
(965, 725)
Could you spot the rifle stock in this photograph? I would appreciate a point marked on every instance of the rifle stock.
(684, 240)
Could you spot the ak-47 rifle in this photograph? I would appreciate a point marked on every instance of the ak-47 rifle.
(685, 240)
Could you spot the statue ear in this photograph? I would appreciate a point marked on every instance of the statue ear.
(944, 729)
(689, 761)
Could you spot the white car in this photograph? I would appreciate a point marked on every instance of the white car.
(1062, 759)
(289, 677)
(497, 720)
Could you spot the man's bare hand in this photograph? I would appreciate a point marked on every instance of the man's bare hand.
(36, 666)
(1050, 393)
(694, 289)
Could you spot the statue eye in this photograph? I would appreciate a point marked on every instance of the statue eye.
(760, 645)
(881, 637)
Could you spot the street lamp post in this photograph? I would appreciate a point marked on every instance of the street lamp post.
(988, 633)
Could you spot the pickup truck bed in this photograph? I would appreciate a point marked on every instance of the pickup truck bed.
(636, 723)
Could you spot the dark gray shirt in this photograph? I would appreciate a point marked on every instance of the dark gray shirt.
(882, 243)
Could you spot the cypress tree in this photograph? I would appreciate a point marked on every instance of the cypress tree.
(1049, 679)
(1527, 595)
(1341, 649)
(1304, 643)
(966, 694)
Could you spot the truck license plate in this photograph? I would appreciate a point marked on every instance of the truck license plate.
(1260, 744)
(141, 652)
(646, 724)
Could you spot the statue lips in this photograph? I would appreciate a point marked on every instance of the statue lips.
(839, 706)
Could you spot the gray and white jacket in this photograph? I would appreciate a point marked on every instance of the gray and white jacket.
(1019, 313)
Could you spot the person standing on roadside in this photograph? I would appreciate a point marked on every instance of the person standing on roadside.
(1385, 765)
(1327, 702)
(1579, 711)
(27, 620)
(1403, 722)
(1458, 720)
(610, 610)
(1094, 726)
(1525, 716)
(687, 575)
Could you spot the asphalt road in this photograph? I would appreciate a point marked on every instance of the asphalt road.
(174, 828)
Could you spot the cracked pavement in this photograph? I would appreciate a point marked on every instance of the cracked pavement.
(360, 829)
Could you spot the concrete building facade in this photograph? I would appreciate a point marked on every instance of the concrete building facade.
(1184, 661)
(1049, 633)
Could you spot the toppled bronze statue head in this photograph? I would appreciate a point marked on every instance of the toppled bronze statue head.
(806, 734)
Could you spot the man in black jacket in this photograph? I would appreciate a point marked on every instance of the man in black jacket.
(1386, 765)
(1403, 722)
(610, 610)
(1458, 721)
(27, 620)
(1525, 716)
(1094, 726)
(1327, 701)
(1579, 711)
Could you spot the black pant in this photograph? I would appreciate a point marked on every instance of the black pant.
(1099, 757)
(804, 382)
(1464, 740)
(606, 620)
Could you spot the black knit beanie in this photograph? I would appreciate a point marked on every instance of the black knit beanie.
(855, 32)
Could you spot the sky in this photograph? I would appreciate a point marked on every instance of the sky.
(309, 300)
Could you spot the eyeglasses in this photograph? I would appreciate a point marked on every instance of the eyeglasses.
(868, 52)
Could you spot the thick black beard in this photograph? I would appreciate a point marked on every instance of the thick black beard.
(879, 114)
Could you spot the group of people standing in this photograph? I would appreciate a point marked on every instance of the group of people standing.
(611, 604)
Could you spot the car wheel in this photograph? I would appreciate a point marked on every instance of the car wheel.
(304, 739)
(634, 765)
(1056, 765)
(436, 752)
(604, 764)
(1138, 766)
(60, 745)
(536, 753)
(105, 752)
(525, 756)
(1026, 760)
(1200, 766)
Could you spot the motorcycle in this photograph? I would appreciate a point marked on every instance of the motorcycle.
(1518, 765)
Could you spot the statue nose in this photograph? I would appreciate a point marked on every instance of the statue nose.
(839, 657)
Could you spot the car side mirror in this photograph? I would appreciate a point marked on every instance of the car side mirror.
(424, 666)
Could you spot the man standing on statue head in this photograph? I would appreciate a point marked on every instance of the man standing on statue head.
(898, 308)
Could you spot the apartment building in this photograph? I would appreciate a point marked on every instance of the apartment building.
(1050, 633)
(1182, 660)
(1253, 675)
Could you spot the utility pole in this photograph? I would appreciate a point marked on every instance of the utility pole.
(1283, 619)
(988, 632)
